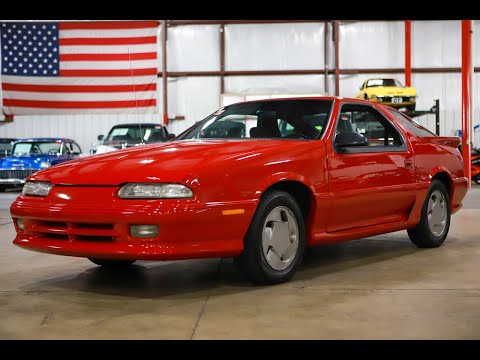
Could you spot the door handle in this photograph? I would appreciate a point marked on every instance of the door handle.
(409, 163)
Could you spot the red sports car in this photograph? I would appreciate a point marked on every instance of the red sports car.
(258, 181)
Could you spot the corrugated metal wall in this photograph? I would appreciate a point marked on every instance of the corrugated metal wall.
(284, 46)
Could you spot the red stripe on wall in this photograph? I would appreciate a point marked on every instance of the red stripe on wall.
(79, 104)
(109, 41)
(78, 88)
(108, 57)
(105, 25)
(136, 72)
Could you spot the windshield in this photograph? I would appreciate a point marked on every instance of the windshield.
(136, 134)
(5, 148)
(277, 119)
(384, 82)
(27, 148)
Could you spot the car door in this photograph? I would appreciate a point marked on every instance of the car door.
(369, 184)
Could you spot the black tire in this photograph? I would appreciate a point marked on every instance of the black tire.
(2, 188)
(112, 263)
(252, 261)
(421, 235)
(411, 108)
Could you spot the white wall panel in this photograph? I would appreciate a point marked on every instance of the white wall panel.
(290, 46)
(193, 47)
(437, 43)
(193, 97)
(372, 45)
(288, 84)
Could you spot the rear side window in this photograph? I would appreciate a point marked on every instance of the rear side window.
(415, 127)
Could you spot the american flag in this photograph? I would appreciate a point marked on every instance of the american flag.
(78, 67)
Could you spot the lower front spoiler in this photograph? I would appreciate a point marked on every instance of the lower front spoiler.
(132, 251)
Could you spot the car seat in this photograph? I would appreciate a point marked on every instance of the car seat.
(267, 126)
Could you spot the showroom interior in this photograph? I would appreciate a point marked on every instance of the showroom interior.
(81, 85)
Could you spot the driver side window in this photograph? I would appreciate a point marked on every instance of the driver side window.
(380, 133)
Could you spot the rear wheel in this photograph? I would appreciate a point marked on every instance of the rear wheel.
(434, 224)
(111, 263)
(411, 107)
(275, 241)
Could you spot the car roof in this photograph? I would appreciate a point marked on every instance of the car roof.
(7, 139)
(326, 97)
(45, 140)
(136, 124)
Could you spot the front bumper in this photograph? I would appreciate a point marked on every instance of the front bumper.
(12, 181)
(94, 222)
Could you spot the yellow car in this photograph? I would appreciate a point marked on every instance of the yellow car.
(389, 92)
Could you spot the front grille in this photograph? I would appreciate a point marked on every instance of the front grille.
(16, 174)
(72, 231)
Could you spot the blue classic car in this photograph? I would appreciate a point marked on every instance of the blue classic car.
(30, 155)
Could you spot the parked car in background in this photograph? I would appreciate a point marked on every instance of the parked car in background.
(389, 92)
(258, 181)
(127, 135)
(30, 155)
(6, 146)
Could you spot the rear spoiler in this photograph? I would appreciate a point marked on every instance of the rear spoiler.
(452, 141)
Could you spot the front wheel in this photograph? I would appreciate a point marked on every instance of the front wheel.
(434, 224)
(111, 263)
(275, 241)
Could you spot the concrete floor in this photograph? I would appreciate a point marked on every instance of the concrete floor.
(376, 288)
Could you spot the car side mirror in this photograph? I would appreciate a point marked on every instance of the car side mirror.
(100, 137)
(170, 136)
(346, 139)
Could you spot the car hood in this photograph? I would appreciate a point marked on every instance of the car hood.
(166, 162)
(392, 90)
(25, 162)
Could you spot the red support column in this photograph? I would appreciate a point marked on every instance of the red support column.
(164, 72)
(336, 39)
(408, 53)
(467, 96)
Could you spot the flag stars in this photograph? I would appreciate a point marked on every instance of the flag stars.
(54, 71)
(35, 60)
(34, 71)
(15, 70)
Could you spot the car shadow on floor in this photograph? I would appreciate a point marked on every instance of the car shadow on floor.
(194, 278)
